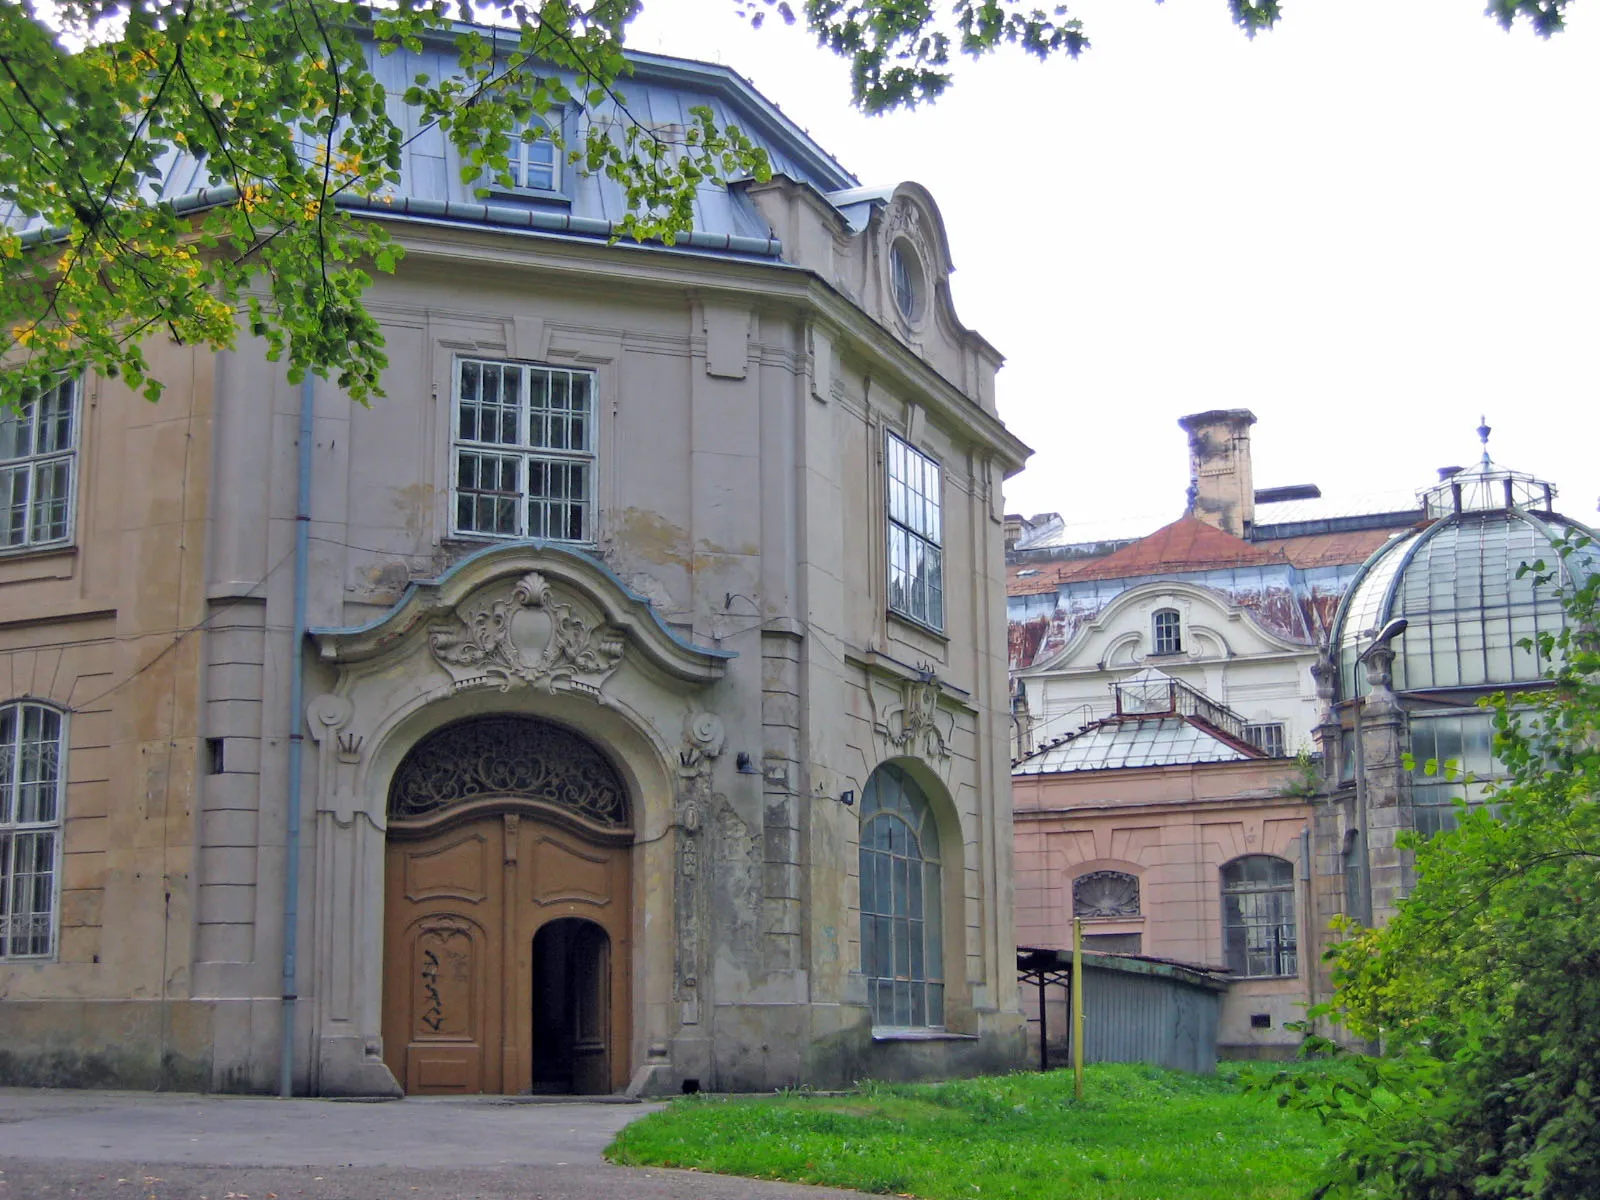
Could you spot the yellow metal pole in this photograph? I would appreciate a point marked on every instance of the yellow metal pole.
(1077, 1007)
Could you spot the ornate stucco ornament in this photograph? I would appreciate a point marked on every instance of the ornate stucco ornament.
(914, 724)
(529, 638)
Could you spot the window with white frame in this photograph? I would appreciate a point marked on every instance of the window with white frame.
(524, 451)
(1168, 630)
(902, 898)
(32, 757)
(38, 467)
(916, 557)
(535, 160)
(1258, 925)
(1267, 736)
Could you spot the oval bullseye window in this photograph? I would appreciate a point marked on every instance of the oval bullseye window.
(905, 276)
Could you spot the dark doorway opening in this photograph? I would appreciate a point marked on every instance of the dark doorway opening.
(571, 1008)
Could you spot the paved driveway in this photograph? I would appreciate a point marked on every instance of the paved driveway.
(140, 1146)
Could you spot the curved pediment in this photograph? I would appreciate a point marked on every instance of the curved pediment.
(526, 614)
(1214, 628)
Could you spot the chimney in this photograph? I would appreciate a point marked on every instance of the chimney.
(1221, 484)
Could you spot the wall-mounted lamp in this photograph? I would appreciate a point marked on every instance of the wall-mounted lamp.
(847, 799)
(743, 764)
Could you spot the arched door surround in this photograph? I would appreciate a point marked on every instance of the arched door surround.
(516, 632)
(506, 834)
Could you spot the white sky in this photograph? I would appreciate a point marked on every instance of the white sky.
(1369, 227)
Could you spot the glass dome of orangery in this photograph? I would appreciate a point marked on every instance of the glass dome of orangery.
(1455, 579)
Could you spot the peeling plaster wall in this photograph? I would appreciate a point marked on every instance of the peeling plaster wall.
(101, 630)
(739, 489)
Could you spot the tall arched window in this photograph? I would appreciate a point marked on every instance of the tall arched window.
(32, 754)
(1258, 929)
(1168, 632)
(901, 902)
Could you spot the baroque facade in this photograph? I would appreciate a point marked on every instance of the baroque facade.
(619, 703)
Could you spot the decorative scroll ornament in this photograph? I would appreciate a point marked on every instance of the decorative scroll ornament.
(703, 739)
(1105, 894)
(507, 757)
(528, 638)
(915, 725)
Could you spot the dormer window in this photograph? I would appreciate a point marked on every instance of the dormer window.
(1168, 631)
(534, 164)
(533, 160)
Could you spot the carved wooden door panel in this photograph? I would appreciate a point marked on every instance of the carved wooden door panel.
(443, 1008)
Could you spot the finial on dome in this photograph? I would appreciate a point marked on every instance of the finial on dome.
(1483, 436)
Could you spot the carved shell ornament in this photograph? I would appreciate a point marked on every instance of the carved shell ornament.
(530, 638)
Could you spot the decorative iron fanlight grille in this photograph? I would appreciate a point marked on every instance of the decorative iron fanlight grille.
(1105, 894)
(510, 757)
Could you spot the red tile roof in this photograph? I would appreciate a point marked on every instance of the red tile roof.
(1333, 549)
(1188, 544)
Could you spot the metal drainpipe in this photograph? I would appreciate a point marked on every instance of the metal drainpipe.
(297, 683)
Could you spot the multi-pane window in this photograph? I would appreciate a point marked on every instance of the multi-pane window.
(38, 462)
(901, 903)
(1258, 928)
(916, 559)
(31, 760)
(1453, 760)
(1267, 735)
(524, 451)
(535, 164)
(1168, 632)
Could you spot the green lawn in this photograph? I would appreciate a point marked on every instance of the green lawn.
(1140, 1133)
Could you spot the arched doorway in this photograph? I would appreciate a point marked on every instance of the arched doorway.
(506, 882)
(571, 1007)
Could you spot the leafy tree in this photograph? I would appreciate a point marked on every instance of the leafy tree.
(1485, 988)
(279, 101)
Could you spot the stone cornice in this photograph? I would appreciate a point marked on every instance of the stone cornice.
(592, 265)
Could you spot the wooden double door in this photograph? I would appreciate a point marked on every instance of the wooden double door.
(505, 957)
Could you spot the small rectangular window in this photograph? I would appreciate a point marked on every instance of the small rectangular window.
(916, 556)
(524, 458)
(215, 760)
(1168, 632)
(1268, 736)
(534, 159)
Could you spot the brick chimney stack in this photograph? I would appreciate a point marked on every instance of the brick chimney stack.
(1221, 483)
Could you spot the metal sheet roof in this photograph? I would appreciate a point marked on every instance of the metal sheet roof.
(660, 93)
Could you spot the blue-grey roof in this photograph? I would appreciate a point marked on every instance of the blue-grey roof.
(659, 92)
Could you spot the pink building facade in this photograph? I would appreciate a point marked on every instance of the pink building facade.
(1203, 863)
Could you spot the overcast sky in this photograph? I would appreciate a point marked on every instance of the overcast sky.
(1368, 227)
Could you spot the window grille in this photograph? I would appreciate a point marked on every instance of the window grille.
(524, 451)
(902, 933)
(1267, 736)
(916, 559)
(38, 467)
(1258, 925)
(1168, 632)
(31, 777)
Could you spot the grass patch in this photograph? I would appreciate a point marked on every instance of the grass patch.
(1140, 1133)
